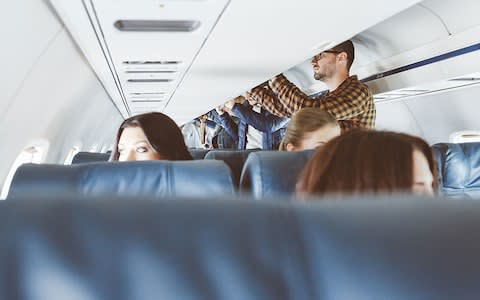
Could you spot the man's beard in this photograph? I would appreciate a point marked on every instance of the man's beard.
(319, 76)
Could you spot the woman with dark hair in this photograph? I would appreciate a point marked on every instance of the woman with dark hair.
(361, 161)
(309, 128)
(150, 136)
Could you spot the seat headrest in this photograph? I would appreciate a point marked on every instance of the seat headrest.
(142, 249)
(392, 249)
(272, 173)
(88, 157)
(235, 159)
(198, 153)
(138, 178)
(458, 167)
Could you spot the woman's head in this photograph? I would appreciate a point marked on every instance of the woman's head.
(361, 161)
(309, 128)
(150, 136)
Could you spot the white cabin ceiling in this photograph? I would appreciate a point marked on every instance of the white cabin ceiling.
(239, 44)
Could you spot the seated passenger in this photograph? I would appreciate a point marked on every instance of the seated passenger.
(150, 136)
(309, 128)
(371, 162)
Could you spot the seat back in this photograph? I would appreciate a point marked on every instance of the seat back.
(143, 249)
(137, 178)
(392, 248)
(198, 153)
(235, 159)
(272, 173)
(458, 167)
(88, 157)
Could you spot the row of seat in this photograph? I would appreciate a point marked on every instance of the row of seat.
(260, 173)
(144, 249)
(263, 174)
(88, 157)
(234, 159)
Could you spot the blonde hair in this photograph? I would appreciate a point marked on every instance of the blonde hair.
(305, 121)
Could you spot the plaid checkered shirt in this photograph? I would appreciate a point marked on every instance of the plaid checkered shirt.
(351, 103)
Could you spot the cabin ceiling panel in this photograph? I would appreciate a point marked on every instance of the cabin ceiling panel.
(401, 51)
(255, 40)
(407, 30)
(154, 63)
(426, 23)
(74, 16)
(432, 76)
(239, 44)
(457, 15)
(20, 48)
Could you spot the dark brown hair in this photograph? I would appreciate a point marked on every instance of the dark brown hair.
(348, 48)
(162, 133)
(305, 121)
(361, 161)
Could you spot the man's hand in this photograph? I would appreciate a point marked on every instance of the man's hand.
(229, 104)
(220, 109)
(240, 99)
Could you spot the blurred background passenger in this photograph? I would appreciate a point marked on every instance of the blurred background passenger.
(256, 128)
(200, 132)
(308, 129)
(150, 136)
(371, 162)
(221, 138)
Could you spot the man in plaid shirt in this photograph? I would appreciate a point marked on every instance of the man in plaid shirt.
(347, 99)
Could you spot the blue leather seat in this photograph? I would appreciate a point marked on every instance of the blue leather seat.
(138, 178)
(235, 159)
(88, 157)
(198, 153)
(376, 250)
(458, 167)
(272, 173)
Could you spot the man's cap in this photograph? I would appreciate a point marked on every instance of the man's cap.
(346, 47)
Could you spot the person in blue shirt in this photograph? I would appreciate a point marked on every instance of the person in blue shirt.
(257, 128)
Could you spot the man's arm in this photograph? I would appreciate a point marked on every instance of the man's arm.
(291, 97)
(227, 122)
(344, 103)
(213, 115)
(268, 100)
(265, 123)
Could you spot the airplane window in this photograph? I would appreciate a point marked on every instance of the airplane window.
(33, 154)
(104, 148)
(465, 137)
(94, 148)
(70, 155)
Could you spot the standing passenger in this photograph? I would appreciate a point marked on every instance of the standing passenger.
(257, 128)
(200, 132)
(150, 136)
(371, 162)
(308, 129)
(347, 99)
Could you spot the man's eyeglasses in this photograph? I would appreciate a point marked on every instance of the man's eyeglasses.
(322, 54)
